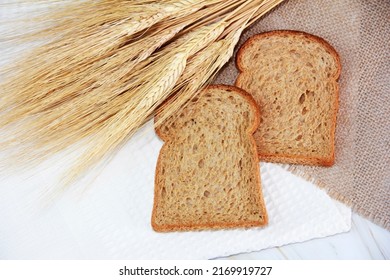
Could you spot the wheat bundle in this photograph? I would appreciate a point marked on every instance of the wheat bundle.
(106, 66)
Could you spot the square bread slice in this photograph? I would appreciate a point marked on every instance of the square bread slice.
(293, 77)
(207, 174)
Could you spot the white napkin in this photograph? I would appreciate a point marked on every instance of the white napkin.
(111, 220)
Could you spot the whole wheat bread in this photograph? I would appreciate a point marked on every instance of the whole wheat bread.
(293, 77)
(207, 175)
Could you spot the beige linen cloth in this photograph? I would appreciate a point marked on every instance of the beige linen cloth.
(360, 32)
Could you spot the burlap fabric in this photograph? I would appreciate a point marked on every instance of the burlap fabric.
(360, 32)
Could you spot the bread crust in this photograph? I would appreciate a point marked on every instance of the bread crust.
(295, 159)
(221, 225)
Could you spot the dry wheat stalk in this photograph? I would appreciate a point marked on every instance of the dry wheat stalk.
(109, 65)
(60, 86)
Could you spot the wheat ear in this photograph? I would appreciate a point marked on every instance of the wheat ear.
(146, 95)
(210, 61)
(93, 96)
(200, 71)
(60, 87)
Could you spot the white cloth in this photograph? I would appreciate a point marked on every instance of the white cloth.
(111, 219)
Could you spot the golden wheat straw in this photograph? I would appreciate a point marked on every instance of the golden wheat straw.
(64, 123)
(129, 56)
(190, 42)
(265, 8)
(60, 81)
(49, 102)
(148, 93)
(84, 43)
(189, 45)
(33, 100)
(124, 123)
(100, 82)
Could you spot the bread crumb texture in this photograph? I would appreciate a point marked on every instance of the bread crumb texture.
(293, 78)
(207, 173)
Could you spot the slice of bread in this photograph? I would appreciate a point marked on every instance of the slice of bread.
(207, 174)
(293, 78)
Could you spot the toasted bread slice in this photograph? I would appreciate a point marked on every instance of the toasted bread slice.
(207, 175)
(293, 78)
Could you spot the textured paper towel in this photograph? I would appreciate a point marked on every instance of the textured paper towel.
(111, 219)
(360, 32)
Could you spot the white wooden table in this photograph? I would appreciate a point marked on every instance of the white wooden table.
(365, 241)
